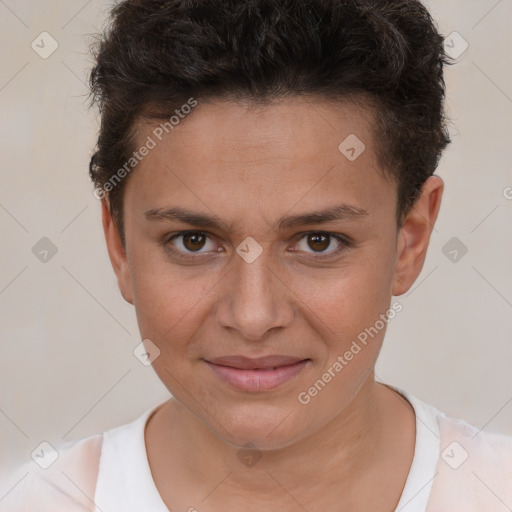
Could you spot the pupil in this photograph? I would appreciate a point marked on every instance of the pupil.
(319, 241)
(193, 241)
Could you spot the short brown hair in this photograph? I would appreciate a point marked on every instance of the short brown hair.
(156, 54)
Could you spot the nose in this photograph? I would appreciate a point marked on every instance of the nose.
(255, 300)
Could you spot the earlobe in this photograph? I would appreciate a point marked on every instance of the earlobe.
(414, 235)
(116, 252)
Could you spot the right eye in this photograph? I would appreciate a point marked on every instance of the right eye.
(190, 242)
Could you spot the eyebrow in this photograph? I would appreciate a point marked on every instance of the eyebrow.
(343, 212)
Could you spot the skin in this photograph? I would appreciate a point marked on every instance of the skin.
(249, 167)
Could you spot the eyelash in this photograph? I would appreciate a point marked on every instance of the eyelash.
(345, 243)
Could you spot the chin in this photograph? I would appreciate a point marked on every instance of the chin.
(264, 427)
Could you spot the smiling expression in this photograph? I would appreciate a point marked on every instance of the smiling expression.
(249, 233)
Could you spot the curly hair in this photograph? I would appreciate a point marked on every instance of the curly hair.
(154, 55)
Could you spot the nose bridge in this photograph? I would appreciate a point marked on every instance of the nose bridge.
(255, 301)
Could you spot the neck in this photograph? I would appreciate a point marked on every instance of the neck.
(344, 456)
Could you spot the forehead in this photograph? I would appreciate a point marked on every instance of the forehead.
(238, 130)
(227, 155)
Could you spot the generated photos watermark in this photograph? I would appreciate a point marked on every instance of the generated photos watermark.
(151, 143)
(304, 397)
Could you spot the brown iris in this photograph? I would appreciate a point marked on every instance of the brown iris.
(194, 241)
(318, 241)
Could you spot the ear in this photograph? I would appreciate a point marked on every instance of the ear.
(414, 235)
(116, 252)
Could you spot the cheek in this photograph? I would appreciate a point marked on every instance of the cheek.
(169, 301)
(350, 297)
(348, 313)
(345, 309)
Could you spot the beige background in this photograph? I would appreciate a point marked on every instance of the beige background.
(67, 369)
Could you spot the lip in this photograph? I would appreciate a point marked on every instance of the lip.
(258, 374)
(253, 363)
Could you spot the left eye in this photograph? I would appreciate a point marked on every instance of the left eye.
(319, 242)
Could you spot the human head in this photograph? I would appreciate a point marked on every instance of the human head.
(259, 142)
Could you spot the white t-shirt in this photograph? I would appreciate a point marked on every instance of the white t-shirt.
(456, 468)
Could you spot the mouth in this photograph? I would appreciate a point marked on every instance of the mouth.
(256, 375)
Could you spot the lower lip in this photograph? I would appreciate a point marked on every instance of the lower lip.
(257, 380)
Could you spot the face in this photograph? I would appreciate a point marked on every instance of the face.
(250, 233)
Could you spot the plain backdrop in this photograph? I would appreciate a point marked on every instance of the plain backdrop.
(67, 368)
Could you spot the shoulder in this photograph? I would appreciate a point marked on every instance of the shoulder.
(84, 472)
(67, 485)
(474, 469)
